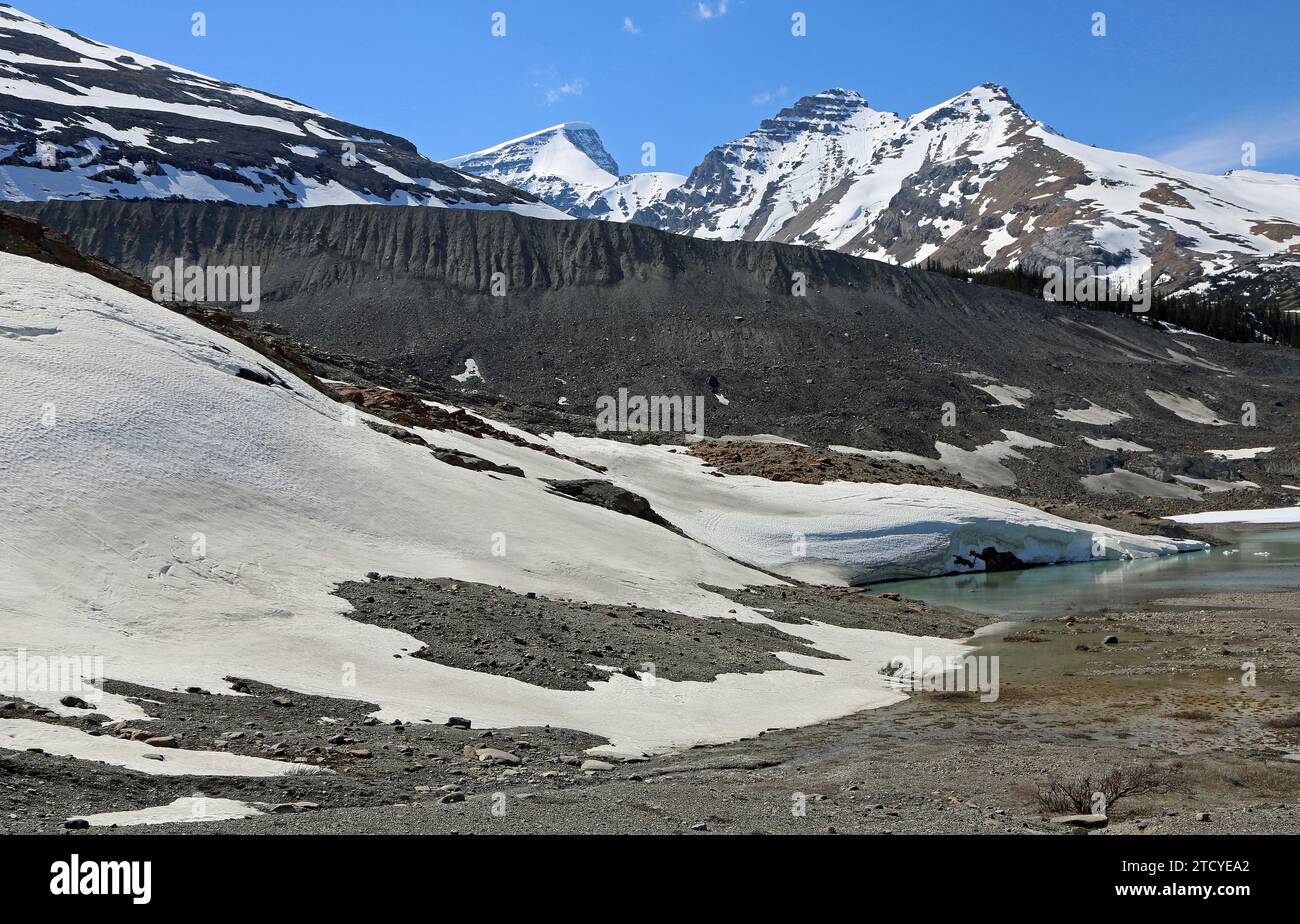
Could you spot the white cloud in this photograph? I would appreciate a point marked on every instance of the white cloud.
(572, 87)
(554, 87)
(630, 27)
(711, 11)
(767, 96)
(1219, 147)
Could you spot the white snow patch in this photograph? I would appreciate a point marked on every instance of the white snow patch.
(1122, 481)
(1116, 445)
(1240, 453)
(65, 741)
(1267, 515)
(1187, 408)
(1092, 414)
(981, 466)
(1007, 395)
(183, 810)
(1216, 485)
(471, 372)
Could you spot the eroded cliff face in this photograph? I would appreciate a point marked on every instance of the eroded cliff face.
(868, 356)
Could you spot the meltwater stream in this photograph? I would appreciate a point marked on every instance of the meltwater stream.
(1257, 559)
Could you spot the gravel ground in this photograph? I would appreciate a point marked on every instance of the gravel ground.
(1165, 695)
(557, 644)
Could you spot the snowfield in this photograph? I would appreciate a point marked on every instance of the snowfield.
(187, 525)
(842, 532)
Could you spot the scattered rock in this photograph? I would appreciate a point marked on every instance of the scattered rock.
(162, 741)
(457, 722)
(1110, 640)
(76, 824)
(611, 497)
(596, 766)
(74, 702)
(495, 756)
(1081, 821)
(474, 463)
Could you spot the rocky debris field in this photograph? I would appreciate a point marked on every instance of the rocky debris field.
(557, 644)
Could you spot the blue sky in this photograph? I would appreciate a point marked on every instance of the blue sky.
(1186, 80)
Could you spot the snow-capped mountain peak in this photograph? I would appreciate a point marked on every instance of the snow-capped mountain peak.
(752, 187)
(84, 120)
(568, 167)
(829, 110)
(565, 165)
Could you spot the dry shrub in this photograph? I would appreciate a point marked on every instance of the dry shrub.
(1283, 722)
(1075, 796)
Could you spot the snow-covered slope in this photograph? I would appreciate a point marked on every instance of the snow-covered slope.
(565, 165)
(79, 119)
(751, 188)
(167, 511)
(568, 167)
(973, 181)
(632, 193)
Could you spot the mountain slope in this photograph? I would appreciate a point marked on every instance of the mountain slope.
(83, 120)
(976, 182)
(751, 188)
(867, 359)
